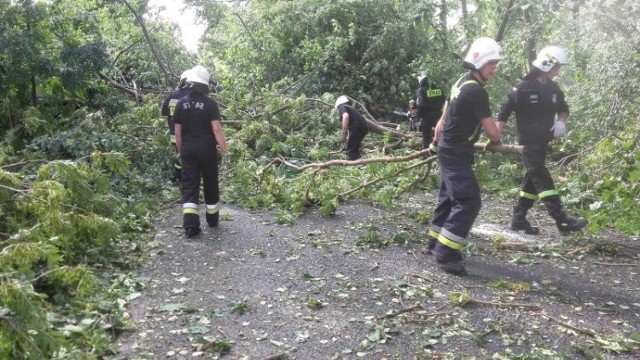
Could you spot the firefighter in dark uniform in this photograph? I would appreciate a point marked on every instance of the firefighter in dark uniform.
(198, 131)
(541, 115)
(428, 102)
(466, 113)
(354, 127)
(167, 109)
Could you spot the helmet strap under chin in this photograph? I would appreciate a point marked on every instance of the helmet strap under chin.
(478, 75)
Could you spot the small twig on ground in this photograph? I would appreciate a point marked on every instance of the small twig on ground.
(500, 304)
(417, 306)
(421, 277)
(172, 202)
(433, 314)
(222, 332)
(511, 245)
(438, 312)
(623, 243)
(614, 264)
(280, 356)
(569, 326)
(580, 249)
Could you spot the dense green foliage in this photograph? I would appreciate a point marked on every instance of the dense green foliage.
(84, 157)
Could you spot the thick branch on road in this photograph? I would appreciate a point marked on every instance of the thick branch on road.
(324, 165)
(499, 148)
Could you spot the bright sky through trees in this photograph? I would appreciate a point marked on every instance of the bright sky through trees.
(185, 18)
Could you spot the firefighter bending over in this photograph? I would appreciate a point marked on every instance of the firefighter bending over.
(354, 127)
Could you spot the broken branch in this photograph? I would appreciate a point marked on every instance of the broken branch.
(500, 304)
(613, 264)
(569, 326)
(417, 306)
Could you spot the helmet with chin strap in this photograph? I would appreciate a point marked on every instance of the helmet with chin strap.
(199, 75)
(549, 57)
(342, 99)
(184, 75)
(183, 78)
(482, 51)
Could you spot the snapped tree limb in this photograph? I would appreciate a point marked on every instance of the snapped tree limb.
(499, 148)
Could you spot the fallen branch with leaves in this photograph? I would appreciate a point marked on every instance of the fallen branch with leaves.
(499, 148)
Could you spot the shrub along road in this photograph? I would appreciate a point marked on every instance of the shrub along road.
(360, 285)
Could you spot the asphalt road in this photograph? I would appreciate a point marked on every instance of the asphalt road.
(359, 285)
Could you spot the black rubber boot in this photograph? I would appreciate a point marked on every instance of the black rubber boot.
(565, 223)
(213, 219)
(431, 244)
(519, 221)
(450, 259)
(192, 231)
(191, 224)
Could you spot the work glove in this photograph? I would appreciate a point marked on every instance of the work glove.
(559, 128)
(490, 143)
(433, 148)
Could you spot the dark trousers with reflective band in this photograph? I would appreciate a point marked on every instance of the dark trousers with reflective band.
(458, 198)
(356, 134)
(199, 161)
(537, 182)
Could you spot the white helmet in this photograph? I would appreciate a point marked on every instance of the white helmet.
(423, 81)
(482, 51)
(342, 99)
(199, 75)
(184, 75)
(550, 57)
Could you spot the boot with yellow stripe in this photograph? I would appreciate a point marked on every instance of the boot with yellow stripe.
(450, 259)
(191, 220)
(213, 214)
(519, 221)
(565, 223)
(432, 238)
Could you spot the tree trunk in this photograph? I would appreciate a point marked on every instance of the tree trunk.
(505, 20)
(531, 42)
(161, 62)
(444, 13)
